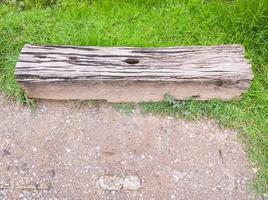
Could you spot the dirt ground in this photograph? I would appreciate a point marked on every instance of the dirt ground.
(62, 150)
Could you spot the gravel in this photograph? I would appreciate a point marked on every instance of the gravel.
(69, 150)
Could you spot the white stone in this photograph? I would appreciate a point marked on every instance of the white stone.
(111, 182)
(131, 183)
(34, 149)
(117, 182)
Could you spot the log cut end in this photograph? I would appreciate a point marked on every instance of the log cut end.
(125, 74)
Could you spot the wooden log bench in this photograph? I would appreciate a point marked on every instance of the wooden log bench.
(124, 74)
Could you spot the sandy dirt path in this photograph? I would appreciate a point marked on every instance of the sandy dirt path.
(64, 148)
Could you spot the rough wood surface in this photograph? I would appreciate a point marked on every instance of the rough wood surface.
(133, 74)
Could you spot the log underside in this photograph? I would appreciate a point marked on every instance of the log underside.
(133, 74)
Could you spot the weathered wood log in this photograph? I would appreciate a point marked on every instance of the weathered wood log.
(126, 74)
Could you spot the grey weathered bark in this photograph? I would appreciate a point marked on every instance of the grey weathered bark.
(124, 74)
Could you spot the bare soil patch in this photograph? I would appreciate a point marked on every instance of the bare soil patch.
(64, 148)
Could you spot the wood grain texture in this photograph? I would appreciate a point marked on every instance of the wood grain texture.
(127, 74)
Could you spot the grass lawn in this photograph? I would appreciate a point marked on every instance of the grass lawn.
(155, 23)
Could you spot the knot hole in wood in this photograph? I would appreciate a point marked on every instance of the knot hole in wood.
(132, 61)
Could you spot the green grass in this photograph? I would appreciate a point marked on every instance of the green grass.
(126, 108)
(155, 23)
